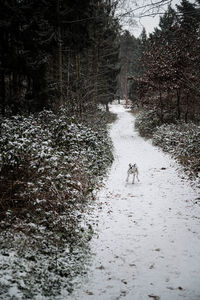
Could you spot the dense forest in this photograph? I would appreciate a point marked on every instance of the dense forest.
(55, 53)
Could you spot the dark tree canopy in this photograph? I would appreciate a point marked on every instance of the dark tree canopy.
(57, 52)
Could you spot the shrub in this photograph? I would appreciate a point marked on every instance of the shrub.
(48, 163)
(146, 123)
(182, 141)
(49, 166)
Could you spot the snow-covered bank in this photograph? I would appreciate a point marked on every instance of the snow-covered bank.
(148, 242)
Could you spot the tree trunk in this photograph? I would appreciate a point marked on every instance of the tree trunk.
(60, 62)
(187, 108)
(126, 84)
(178, 93)
(161, 103)
(68, 72)
(3, 93)
(78, 91)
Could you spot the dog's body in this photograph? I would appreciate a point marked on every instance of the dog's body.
(133, 169)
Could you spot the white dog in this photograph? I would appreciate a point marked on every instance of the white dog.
(133, 169)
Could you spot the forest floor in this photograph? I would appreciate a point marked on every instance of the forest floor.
(147, 243)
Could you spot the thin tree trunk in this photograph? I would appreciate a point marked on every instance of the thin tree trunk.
(187, 108)
(3, 93)
(178, 92)
(68, 73)
(78, 75)
(161, 103)
(126, 83)
(60, 61)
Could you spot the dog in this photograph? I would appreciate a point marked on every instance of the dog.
(133, 169)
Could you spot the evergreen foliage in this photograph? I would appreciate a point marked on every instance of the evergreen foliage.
(55, 53)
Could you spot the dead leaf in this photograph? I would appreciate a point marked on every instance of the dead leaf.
(132, 265)
(151, 267)
(100, 267)
(89, 293)
(154, 297)
(124, 281)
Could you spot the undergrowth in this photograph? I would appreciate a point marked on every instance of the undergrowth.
(49, 167)
(180, 139)
(146, 123)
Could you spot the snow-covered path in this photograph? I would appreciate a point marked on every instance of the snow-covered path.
(148, 243)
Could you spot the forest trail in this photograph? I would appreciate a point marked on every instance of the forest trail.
(148, 241)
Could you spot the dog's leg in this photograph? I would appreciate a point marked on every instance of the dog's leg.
(137, 176)
(127, 177)
(133, 178)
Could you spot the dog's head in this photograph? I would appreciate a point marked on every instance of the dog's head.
(132, 166)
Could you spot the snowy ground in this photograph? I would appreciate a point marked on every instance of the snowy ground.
(148, 241)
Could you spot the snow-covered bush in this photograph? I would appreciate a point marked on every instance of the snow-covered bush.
(182, 140)
(179, 139)
(146, 123)
(49, 165)
(48, 162)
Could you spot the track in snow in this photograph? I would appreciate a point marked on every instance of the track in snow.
(148, 243)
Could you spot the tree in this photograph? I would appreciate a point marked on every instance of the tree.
(171, 78)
